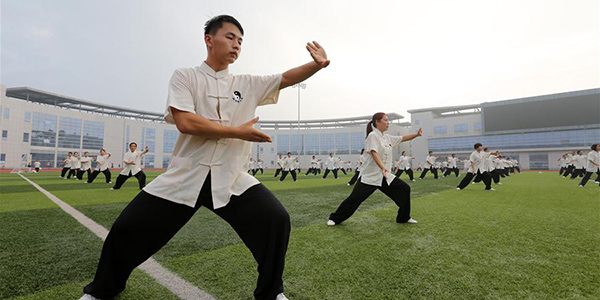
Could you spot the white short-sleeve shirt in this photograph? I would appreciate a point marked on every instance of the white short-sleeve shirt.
(593, 156)
(67, 163)
(382, 144)
(136, 158)
(102, 161)
(75, 163)
(230, 100)
(86, 163)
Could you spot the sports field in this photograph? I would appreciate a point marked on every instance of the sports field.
(536, 237)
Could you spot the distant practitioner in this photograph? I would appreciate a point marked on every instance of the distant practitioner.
(37, 166)
(478, 167)
(430, 166)
(132, 162)
(405, 166)
(86, 166)
(279, 165)
(101, 166)
(452, 165)
(593, 159)
(75, 166)
(66, 164)
(359, 164)
(330, 166)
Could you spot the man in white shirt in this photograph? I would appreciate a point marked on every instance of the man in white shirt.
(101, 166)
(313, 166)
(340, 165)
(279, 165)
(579, 161)
(404, 165)
(75, 165)
(289, 166)
(86, 165)
(132, 163)
(569, 164)
(593, 159)
(478, 167)
(66, 165)
(430, 166)
(452, 165)
(215, 113)
(259, 167)
(330, 167)
(359, 164)
(36, 165)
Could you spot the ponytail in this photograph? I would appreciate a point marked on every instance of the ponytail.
(369, 128)
(376, 117)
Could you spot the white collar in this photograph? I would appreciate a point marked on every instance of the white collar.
(377, 131)
(205, 68)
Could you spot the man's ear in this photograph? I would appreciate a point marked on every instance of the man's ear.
(208, 41)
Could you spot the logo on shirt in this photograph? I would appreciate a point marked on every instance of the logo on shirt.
(237, 97)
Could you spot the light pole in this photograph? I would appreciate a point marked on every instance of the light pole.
(299, 86)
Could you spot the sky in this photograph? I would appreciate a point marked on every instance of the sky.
(389, 56)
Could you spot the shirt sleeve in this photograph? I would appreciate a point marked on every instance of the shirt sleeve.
(265, 88)
(371, 143)
(180, 95)
(396, 140)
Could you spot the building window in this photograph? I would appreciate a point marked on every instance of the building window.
(283, 144)
(44, 157)
(166, 162)
(148, 139)
(27, 116)
(538, 161)
(416, 122)
(43, 130)
(357, 142)
(2, 157)
(326, 142)
(261, 149)
(477, 126)
(440, 129)
(148, 161)
(93, 135)
(69, 133)
(127, 141)
(26, 137)
(461, 128)
(272, 150)
(169, 139)
(4, 134)
(311, 144)
(342, 143)
(6, 113)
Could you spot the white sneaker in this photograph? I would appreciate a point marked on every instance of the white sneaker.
(330, 223)
(411, 221)
(500, 183)
(473, 182)
(281, 297)
(580, 185)
(112, 188)
(88, 297)
(413, 180)
(492, 189)
(458, 189)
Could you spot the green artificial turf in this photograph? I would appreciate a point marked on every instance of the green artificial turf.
(536, 237)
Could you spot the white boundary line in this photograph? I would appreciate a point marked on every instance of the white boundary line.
(177, 285)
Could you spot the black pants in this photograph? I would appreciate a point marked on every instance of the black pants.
(577, 173)
(354, 178)
(72, 172)
(586, 177)
(398, 191)
(149, 222)
(262, 171)
(284, 174)
(561, 170)
(342, 169)
(568, 171)
(433, 170)
(95, 174)
(254, 171)
(277, 172)
(495, 176)
(80, 174)
(485, 176)
(141, 177)
(310, 170)
(327, 172)
(450, 170)
(63, 172)
(409, 172)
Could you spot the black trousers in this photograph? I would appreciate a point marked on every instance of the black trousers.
(568, 171)
(433, 170)
(72, 172)
(561, 170)
(285, 173)
(277, 172)
(80, 174)
(485, 176)
(63, 172)
(327, 172)
(149, 222)
(409, 172)
(141, 177)
(354, 178)
(398, 191)
(586, 177)
(310, 170)
(450, 170)
(342, 169)
(254, 171)
(577, 173)
(495, 175)
(95, 174)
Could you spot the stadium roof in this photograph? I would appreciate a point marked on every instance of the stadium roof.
(327, 123)
(48, 98)
(72, 103)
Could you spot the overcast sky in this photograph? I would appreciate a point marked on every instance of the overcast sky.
(385, 55)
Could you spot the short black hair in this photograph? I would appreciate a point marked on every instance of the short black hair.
(430, 151)
(594, 146)
(486, 148)
(132, 143)
(211, 26)
(70, 153)
(477, 145)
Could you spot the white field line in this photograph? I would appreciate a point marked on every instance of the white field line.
(177, 285)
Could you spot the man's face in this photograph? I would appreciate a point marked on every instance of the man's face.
(132, 147)
(226, 44)
(479, 148)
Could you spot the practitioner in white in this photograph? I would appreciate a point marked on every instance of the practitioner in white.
(66, 163)
(330, 166)
(259, 166)
(405, 166)
(430, 166)
(289, 166)
(280, 159)
(132, 162)
(359, 165)
(75, 166)
(376, 174)
(86, 166)
(478, 167)
(580, 162)
(593, 159)
(101, 166)
(452, 165)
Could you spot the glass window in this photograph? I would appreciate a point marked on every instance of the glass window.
(311, 144)
(342, 143)
(6, 112)
(297, 144)
(538, 161)
(148, 138)
(26, 137)
(440, 129)
(93, 135)
(69, 133)
(4, 134)
(272, 150)
(43, 132)
(461, 128)
(357, 142)
(148, 161)
(477, 126)
(261, 149)
(416, 122)
(326, 142)
(166, 162)
(2, 157)
(283, 144)
(45, 157)
(27, 116)
(169, 139)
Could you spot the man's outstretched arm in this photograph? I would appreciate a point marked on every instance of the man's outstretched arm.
(303, 72)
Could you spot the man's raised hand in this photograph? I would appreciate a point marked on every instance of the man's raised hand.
(318, 54)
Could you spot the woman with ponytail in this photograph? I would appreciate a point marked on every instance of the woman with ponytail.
(375, 173)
